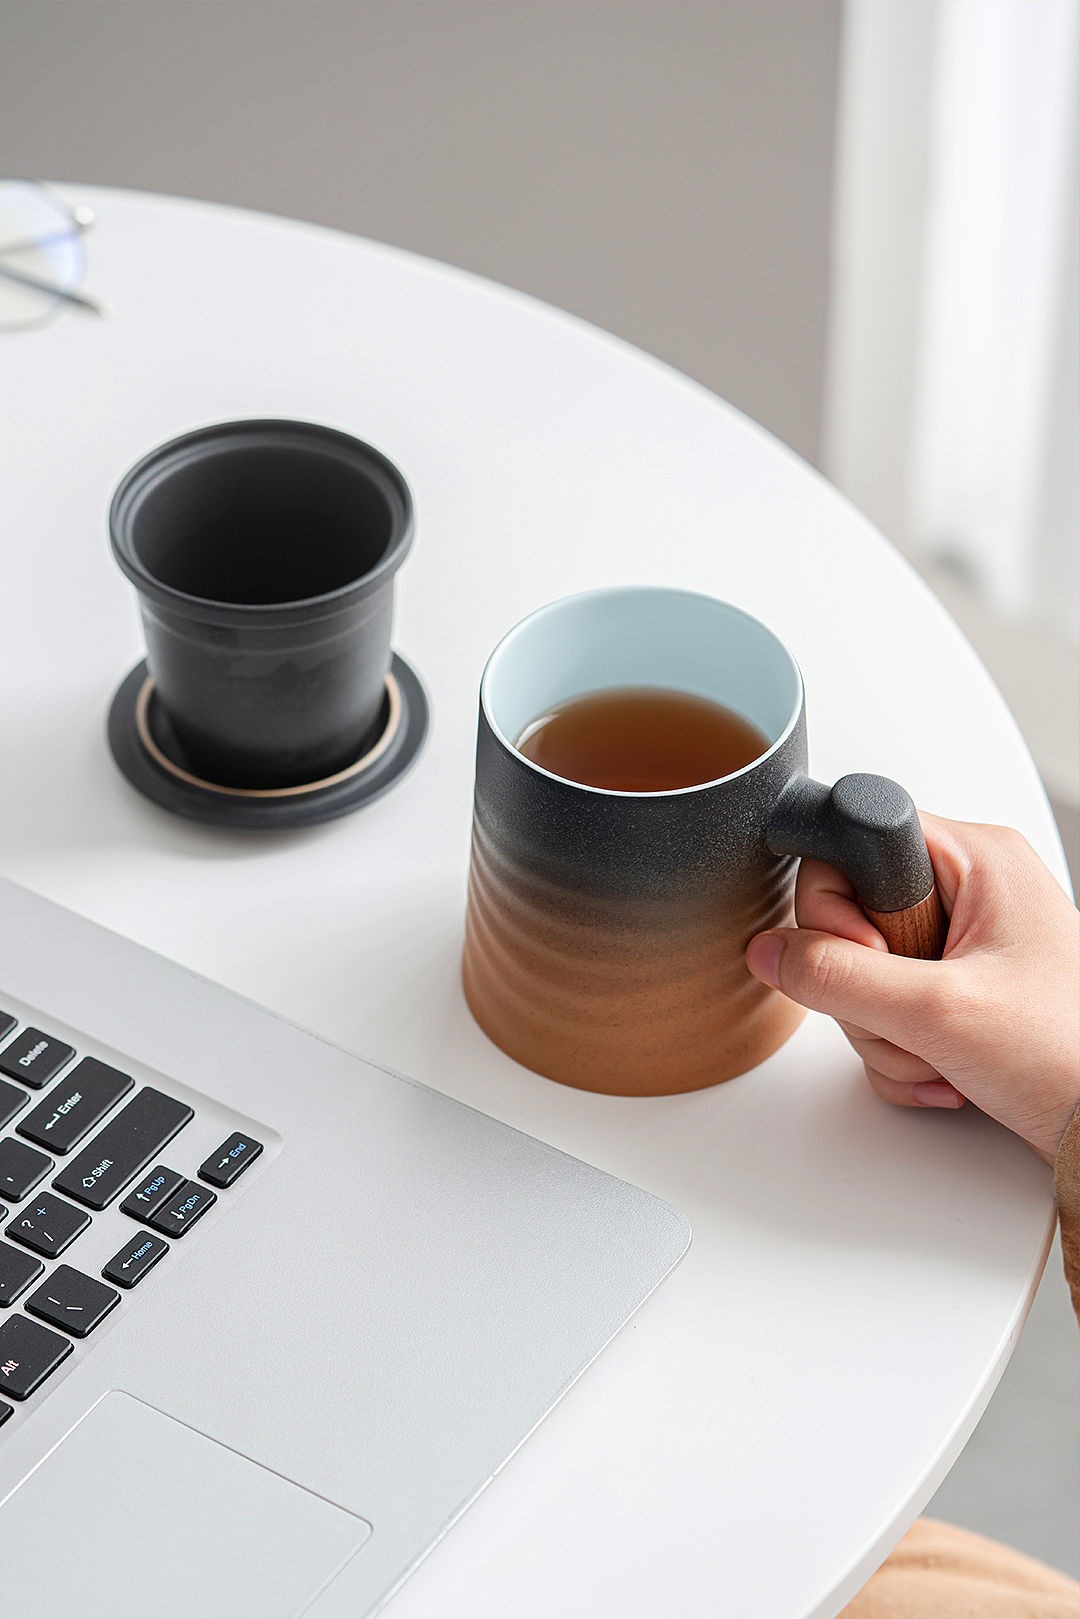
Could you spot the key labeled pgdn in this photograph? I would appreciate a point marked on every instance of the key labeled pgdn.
(182, 1210)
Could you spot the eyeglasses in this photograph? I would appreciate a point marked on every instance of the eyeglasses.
(42, 256)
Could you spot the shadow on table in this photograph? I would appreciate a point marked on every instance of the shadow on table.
(802, 1147)
(62, 791)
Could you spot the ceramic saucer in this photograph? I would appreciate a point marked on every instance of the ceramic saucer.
(143, 745)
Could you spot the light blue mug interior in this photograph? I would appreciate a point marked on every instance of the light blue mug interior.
(641, 636)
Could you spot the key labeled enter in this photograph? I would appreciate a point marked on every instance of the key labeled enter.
(73, 1108)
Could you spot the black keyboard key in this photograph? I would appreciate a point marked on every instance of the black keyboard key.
(47, 1225)
(11, 1100)
(21, 1167)
(34, 1058)
(5, 1412)
(7, 1023)
(17, 1271)
(151, 1192)
(230, 1160)
(131, 1264)
(73, 1301)
(75, 1106)
(126, 1145)
(28, 1353)
(182, 1209)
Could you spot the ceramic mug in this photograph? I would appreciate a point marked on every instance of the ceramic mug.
(606, 931)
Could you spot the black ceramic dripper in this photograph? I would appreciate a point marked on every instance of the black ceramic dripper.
(264, 555)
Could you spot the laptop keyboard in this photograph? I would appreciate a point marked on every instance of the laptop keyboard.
(66, 1156)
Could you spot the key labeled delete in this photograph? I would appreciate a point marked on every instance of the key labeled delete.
(34, 1058)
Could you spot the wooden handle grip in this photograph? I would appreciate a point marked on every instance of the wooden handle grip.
(919, 931)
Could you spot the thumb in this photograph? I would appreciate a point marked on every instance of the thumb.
(892, 996)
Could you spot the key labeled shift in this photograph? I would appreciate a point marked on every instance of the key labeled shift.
(123, 1148)
(181, 1211)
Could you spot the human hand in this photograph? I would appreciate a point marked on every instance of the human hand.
(996, 1021)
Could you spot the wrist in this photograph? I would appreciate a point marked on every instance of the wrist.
(1046, 1136)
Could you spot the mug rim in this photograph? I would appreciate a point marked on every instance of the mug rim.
(642, 590)
(212, 439)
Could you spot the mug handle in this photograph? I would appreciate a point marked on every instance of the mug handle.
(867, 827)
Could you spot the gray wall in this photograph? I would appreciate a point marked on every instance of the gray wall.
(661, 167)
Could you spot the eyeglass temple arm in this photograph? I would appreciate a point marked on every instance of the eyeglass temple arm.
(76, 298)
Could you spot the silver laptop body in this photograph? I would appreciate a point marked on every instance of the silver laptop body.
(323, 1370)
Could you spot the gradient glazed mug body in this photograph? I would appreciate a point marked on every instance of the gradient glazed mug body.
(606, 931)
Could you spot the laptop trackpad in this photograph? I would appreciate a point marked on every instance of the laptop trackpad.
(155, 1518)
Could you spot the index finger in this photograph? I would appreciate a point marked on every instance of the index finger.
(826, 900)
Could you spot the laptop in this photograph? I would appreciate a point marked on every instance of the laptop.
(271, 1316)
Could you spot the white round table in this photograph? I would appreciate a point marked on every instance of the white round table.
(772, 1420)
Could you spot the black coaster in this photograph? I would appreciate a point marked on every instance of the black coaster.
(153, 761)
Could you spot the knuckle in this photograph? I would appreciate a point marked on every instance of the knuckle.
(938, 998)
(952, 1010)
(1013, 840)
(818, 971)
(1005, 842)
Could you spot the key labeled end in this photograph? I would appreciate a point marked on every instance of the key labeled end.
(230, 1160)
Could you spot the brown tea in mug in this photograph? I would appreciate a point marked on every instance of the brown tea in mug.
(641, 739)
